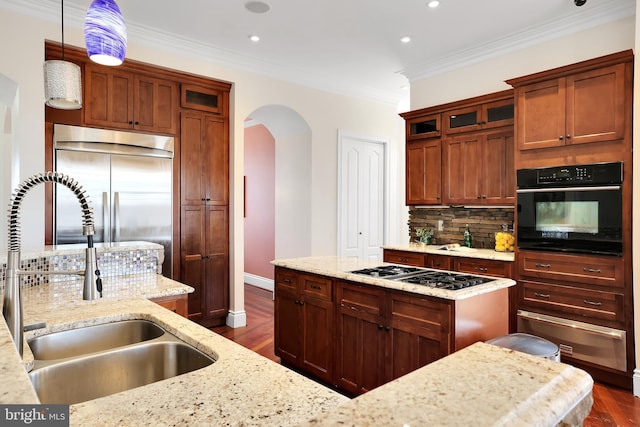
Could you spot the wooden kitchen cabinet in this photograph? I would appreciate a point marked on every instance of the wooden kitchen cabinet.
(127, 100)
(304, 322)
(423, 126)
(204, 195)
(424, 172)
(578, 107)
(479, 117)
(360, 355)
(484, 267)
(471, 161)
(419, 332)
(478, 169)
(204, 159)
(404, 257)
(176, 303)
(440, 262)
(204, 259)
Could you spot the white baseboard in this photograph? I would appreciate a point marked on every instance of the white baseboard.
(237, 319)
(258, 281)
(636, 382)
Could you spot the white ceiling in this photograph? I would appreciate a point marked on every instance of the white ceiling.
(345, 46)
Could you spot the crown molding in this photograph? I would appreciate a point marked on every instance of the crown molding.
(600, 13)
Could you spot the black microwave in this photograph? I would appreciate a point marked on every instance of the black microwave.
(574, 208)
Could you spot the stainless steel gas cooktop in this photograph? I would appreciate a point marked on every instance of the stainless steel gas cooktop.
(425, 277)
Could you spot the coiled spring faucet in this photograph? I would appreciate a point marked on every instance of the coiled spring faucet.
(12, 304)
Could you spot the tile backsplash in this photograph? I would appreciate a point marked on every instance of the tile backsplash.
(483, 223)
(116, 263)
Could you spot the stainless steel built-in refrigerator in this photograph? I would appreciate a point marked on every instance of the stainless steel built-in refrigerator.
(128, 177)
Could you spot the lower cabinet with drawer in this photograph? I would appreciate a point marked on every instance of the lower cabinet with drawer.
(358, 336)
(383, 334)
(588, 290)
(304, 322)
(393, 256)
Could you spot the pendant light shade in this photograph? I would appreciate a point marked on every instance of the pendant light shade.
(105, 34)
(62, 79)
(62, 85)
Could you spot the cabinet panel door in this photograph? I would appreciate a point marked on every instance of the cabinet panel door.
(216, 266)
(498, 175)
(216, 161)
(462, 170)
(596, 105)
(317, 337)
(540, 115)
(155, 101)
(287, 325)
(423, 174)
(191, 158)
(192, 250)
(360, 353)
(109, 98)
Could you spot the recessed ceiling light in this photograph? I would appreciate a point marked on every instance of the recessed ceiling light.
(257, 6)
(405, 39)
(404, 87)
(433, 3)
(254, 38)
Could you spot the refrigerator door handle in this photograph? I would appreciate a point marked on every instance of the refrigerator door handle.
(116, 216)
(105, 217)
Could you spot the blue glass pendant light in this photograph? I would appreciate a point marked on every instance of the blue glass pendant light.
(105, 34)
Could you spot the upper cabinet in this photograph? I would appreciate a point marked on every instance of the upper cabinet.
(423, 172)
(478, 117)
(127, 100)
(578, 104)
(469, 159)
(423, 127)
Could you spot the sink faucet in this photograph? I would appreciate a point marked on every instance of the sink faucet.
(12, 304)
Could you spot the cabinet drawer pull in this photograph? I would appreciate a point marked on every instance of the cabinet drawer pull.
(539, 295)
(403, 259)
(380, 327)
(286, 280)
(591, 270)
(316, 287)
(543, 265)
(596, 303)
(482, 269)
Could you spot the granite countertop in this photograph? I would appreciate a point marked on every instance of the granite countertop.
(480, 385)
(340, 267)
(240, 388)
(496, 386)
(458, 252)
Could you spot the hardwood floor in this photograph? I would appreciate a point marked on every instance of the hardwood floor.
(611, 407)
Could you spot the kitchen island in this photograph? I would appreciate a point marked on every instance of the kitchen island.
(243, 388)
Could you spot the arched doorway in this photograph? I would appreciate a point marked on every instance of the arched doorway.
(277, 170)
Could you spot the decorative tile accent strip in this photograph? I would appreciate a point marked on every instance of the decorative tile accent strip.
(111, 264)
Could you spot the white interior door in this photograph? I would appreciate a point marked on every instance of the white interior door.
(362, 183)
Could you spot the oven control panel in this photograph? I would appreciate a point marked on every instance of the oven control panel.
(573, 175)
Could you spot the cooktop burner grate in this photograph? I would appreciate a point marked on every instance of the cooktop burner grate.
(387, 271)
(444, 280)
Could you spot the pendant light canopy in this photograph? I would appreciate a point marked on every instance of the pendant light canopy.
(105, 34)
(62, 80)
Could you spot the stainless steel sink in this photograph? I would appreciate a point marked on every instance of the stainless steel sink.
(92, 371)
(91, 339)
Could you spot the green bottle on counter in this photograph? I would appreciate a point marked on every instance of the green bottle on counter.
(467, 237)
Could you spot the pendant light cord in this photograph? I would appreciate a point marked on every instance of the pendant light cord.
(62, 25)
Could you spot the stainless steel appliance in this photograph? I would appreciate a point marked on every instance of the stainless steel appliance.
(578, 340)
(421, 276)
(128, 177)
(571, 208)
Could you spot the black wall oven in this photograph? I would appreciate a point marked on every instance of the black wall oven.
(574, 208)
